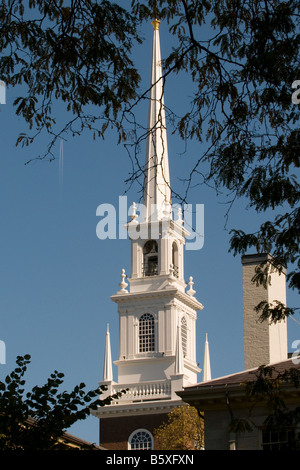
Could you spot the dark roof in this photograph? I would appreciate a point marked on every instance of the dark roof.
(69, 439)
(246, 375)
(80, 442)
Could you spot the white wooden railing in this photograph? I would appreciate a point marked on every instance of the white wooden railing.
(159, 390)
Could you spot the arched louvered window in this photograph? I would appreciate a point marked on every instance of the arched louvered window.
(150, 255)
(184, 336)
(146, 333)
(141, 439)
(175, 259)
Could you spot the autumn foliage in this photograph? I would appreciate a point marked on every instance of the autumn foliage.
(184, 430)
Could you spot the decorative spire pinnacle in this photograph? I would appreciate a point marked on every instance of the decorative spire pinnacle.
(206, 363)
(157, 191)
(107, 369)
(191, 291)
(155, 23)
(123, 284)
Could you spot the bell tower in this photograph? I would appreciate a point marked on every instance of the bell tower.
(157, 309)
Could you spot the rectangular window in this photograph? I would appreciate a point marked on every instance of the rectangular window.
(277, 440)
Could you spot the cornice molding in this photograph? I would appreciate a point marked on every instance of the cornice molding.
(158, 294)
(132, 409)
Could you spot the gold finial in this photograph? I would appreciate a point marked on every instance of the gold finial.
(155, 24)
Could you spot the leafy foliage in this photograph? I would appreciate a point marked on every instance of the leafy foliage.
(36, 420)
(183, 431)
(76, 52)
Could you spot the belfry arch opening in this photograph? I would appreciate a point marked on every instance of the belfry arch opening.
(150, 258)
(175, 259)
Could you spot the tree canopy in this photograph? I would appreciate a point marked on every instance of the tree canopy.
(37, 419)
(184, 430)
(242, 57)
(76, 52)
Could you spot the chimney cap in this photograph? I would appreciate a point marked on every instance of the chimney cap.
(255, 258)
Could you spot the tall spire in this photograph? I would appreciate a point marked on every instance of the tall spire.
(157, 180)
(107, 369)
(206, 363)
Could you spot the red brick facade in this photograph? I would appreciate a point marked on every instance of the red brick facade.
(114, 432)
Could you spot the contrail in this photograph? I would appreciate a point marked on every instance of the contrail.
(61, 163)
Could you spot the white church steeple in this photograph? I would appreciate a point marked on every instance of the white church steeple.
(157, 239)
(157, 308)
(157, 192)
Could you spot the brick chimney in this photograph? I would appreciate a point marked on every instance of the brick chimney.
(264, 343)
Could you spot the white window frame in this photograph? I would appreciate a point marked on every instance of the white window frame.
(137, 431)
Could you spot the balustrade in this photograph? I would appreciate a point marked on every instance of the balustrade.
(144, 391)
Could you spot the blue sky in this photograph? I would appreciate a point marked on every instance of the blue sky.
(56, 276)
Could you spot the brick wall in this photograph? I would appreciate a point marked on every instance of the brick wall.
(114, 432)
